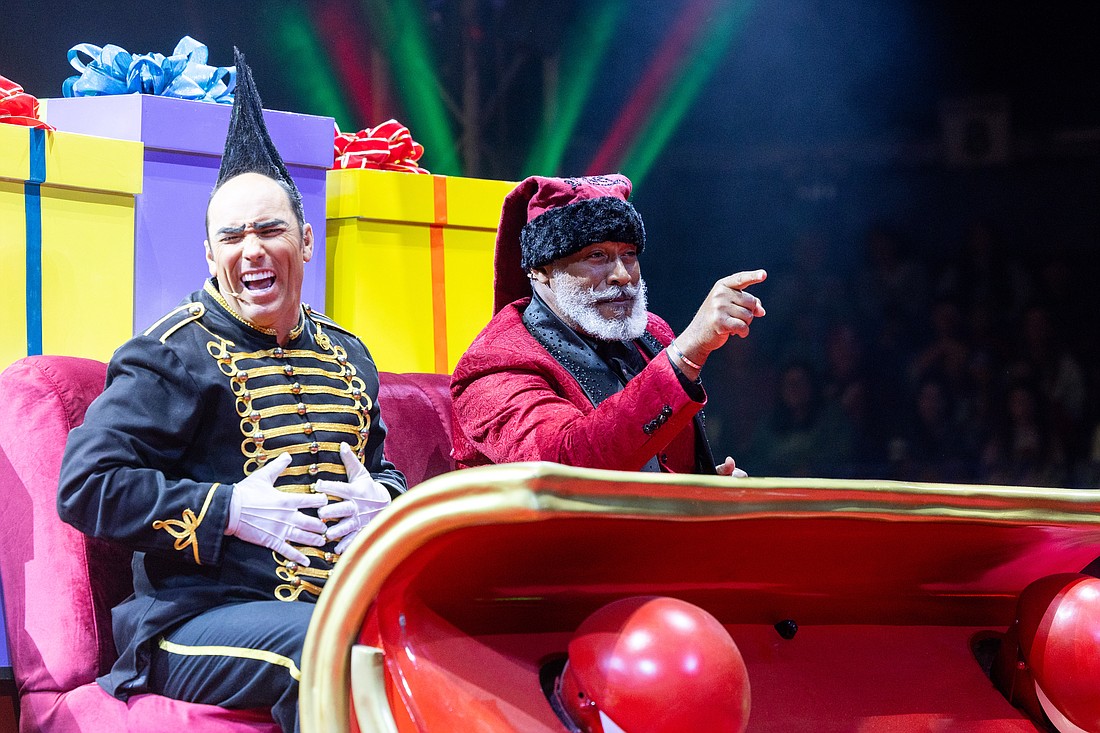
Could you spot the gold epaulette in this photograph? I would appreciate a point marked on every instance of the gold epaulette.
(175, 320)
(325, 321)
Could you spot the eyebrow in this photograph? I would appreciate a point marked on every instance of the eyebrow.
(256, 225)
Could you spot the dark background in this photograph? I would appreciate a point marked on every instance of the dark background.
(822, 128)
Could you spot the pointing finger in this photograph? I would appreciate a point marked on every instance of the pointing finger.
(742, 280)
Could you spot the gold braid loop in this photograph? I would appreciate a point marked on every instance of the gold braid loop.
(184, 530)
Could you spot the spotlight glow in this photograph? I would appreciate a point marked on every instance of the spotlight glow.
(679, 96)
(581, 56)
(404, 38)
(313, 78)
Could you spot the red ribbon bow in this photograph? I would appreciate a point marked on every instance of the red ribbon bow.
(388, 147)
(17, 107)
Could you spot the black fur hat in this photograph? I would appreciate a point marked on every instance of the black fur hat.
(571, 228)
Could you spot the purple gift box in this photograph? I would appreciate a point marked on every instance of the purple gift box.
(5, 661)
(183, 146)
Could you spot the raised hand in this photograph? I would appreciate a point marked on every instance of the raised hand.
(727, 310)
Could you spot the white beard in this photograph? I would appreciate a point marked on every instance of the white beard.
(578, 305)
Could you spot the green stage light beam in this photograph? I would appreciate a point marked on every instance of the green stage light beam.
(406, 44)
(314, 80)
(583, 53)
(670, 111)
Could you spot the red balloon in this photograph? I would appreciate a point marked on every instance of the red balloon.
(1058, 622)
(655, 664)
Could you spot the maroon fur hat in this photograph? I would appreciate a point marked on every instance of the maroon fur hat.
(544, 219)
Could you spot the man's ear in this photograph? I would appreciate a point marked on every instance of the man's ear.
(539, 275)
(307, 243)
(210, 264)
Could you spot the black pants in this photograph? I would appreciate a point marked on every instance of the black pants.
(239, 656)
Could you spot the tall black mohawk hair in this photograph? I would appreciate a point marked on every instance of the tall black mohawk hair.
(248, 146)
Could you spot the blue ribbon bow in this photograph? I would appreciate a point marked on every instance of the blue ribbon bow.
(185, 74)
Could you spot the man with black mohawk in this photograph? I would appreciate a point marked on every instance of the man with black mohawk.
(237, 449)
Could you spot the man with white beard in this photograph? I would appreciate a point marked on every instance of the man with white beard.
(573, 368)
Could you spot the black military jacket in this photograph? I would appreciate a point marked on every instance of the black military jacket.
(195, 404)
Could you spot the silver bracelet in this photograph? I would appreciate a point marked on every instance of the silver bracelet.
(682, 357)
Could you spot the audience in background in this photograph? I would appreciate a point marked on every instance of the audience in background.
(978, 366)
(803, 435)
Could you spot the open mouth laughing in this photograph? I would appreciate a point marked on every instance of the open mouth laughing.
(258, 281)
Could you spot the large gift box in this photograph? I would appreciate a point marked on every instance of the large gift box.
(410, 263)
(184, 140)
(67, 242)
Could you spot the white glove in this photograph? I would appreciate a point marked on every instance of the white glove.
(261, 514)
(363, 498)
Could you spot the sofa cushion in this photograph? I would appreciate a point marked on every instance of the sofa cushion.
(50, 570)
(59, 585)
(89, 709)
(417, 411)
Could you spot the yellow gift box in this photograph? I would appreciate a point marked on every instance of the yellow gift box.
(410, 263)
(67, 242)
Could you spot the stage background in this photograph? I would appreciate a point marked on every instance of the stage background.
(807, 137)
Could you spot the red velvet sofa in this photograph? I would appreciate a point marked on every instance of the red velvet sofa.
(59, 586)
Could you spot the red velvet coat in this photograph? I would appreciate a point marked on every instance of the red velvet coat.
(514, 402)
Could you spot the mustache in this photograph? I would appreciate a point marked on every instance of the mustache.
(615, 292)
